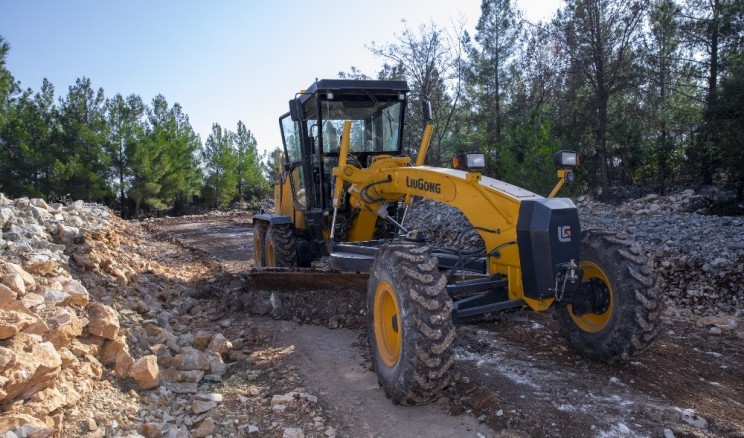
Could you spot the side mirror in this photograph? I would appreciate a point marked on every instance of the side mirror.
(296, 112)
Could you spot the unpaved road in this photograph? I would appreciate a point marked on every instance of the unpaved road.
(515, 375)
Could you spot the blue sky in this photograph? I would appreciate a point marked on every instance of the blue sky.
(223, 61)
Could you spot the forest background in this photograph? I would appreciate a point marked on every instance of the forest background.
(650, 94)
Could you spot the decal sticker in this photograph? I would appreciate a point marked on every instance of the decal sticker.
(564, 233)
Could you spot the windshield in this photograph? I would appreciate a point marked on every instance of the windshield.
(375, 125)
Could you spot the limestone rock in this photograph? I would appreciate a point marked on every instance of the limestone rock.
(6, 215)
(12, 322)
(68, 234)
(145, 372)
(212, 396)
(39, 203)
(47, 400)
(202, 339)
(206, 428)
(103, 321)
(35, 366)
(77, 206)
(26, 425)
(191, 359)
(78, 293)
(15, 316)
(12, 278)
(123, 363)
(216, 364)
(7, 294)
(41, 263)
(65, 326)
(219, 344)
(151, 430)
(201, 406)
(111, 349)
(55, 297)
(293, 432)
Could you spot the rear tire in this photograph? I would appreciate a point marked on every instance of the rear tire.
(409, 323)
(259, 237)
(280, 250)
(631, 322)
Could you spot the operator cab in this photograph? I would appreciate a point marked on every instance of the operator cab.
(311, 132)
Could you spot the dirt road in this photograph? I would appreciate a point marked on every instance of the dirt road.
(515, 375)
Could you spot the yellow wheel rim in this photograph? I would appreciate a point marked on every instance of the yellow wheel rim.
(594, 322)
(270, 257)
(257, 246)
(388, 330)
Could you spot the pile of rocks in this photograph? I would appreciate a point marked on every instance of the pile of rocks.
(75, 306)
(700, 257)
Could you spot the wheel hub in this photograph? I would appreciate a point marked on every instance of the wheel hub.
(591, 309)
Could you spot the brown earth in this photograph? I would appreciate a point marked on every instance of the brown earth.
(515, 376)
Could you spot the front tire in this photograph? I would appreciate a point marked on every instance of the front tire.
(631, 321)
(409, 323)
(280, 249)
(259, 237)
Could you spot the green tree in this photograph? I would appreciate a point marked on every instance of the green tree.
(220, 162)
(666, 90)
(271, 163)
(7, 83)
(492, 58)
(728, 117)
(28, 144)
(182, 177)
(174, 176)
(83, 166)
(125, 118)
(251, 183)
(714, 34)
(599, 40)
(528, 161)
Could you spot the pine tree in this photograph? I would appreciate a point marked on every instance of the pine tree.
(251, 183)
(83, 166)
(220, 162)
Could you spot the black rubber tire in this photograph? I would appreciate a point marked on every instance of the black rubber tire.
(425, 357)
(280, 242)
(259, 237)
(635, 300)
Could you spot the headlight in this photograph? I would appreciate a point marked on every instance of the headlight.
(566, 159)
(469, 161)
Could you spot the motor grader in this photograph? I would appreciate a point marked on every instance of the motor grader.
(342, 195)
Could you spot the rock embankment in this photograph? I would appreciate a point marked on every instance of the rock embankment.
(82, 311)
(699, 256)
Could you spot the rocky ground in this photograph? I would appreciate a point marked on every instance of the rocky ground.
(106, 331)
(110, 328)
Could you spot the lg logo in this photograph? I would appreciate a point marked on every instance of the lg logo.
(564, 233)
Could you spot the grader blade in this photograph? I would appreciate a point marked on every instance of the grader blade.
(299, 279)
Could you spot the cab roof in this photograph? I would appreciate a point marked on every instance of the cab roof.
(355, 86)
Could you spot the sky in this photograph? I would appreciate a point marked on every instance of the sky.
(222, 61)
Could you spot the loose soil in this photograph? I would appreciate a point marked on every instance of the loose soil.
(515, 376)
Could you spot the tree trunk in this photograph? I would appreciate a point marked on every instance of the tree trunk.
(710, 137)
(602, 99)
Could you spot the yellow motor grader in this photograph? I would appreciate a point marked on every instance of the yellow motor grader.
(342, 195)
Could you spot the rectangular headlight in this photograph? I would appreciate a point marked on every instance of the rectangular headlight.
(566, 159)
(469, 161)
